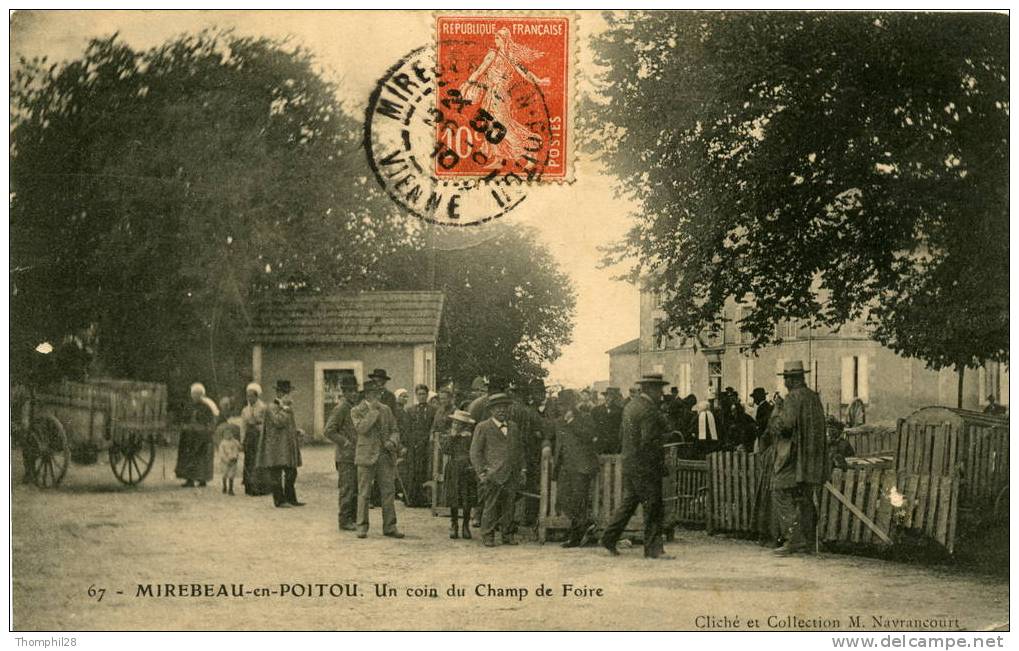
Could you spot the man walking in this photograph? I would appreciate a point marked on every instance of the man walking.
(801, 460)
(643, 461)
(378, 444)
(279, 449)
(497, 455)
(340, 430)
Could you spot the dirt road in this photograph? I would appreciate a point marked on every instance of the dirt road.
(91, 532)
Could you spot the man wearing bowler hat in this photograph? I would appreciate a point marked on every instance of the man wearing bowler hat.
(386, 397)
(340, 430)
(643, 461)
(497, 455)
(279, 449)
(801, 460)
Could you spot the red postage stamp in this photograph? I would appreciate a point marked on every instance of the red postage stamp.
(502, 104)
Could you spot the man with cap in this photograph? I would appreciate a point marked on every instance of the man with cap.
(340, 430)
(386, 397)
(378, 447)
(643, 460)
(608, 418)
(797, 427)
(279, 449)
(497, 455)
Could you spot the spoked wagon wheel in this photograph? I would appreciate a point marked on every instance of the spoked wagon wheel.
(132, 457)
(48, 451)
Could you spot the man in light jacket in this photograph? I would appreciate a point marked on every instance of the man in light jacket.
(378, 446)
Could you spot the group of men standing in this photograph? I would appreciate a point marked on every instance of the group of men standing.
(494, 445)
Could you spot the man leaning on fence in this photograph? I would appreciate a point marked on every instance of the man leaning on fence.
(643, 461)
(801, 461)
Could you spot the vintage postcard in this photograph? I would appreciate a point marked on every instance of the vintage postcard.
(510, 320)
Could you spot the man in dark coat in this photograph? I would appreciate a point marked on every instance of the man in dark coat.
(497, 455)
(378, 445)
(533, 433)
(279, 449)
(608, 419)
(421, 417)
(340, 430)
(576, 462)
(801, 460)
(643, 468)
(762, 413)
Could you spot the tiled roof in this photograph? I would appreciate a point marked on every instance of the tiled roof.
(632, 346)
(366, 317)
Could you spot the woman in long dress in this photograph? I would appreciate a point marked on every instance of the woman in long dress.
(195, 451)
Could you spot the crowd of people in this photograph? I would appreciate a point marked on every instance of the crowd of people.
(490, 442)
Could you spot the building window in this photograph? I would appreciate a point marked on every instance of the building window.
(855, 379)
(746, 377)
(714, 379)
(683, 381)
(658, 338)
(779, 382)
(992, 380)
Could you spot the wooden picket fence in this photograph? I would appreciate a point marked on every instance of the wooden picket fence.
(732, 480)
(872, 440)
(975, 452)
(863, 505)
(684, 492)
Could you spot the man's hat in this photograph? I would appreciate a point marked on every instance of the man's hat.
(498, 399)
(794, 367)
(479, 384)
(652, 378)
(283, 386)
(759, 392)
(496, 384)
(461, 416)
(380, 374)
(348, 382)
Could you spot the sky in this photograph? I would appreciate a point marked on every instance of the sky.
(354, 49)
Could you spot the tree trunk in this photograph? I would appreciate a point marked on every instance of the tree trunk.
(961, 370)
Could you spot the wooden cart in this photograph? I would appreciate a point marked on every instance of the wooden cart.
(79, 420)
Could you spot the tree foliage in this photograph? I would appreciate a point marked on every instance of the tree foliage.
(158, 193)
(509, 307)
(822, 167)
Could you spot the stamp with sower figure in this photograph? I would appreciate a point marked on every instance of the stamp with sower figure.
(456, 136)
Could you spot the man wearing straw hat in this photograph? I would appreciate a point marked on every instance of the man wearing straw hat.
(801, 460)
(643, 461)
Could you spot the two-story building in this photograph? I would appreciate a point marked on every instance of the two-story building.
(844, 365)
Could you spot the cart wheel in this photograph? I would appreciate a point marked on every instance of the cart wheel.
(47, 451)
(132, 457)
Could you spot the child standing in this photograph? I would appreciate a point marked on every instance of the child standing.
(460, 480)
(229, 452)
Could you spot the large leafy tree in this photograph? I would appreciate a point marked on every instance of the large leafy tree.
(823, 167)
(509, 307)
(157, 194)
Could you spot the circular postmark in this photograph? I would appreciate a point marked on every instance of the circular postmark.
(450, 147)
